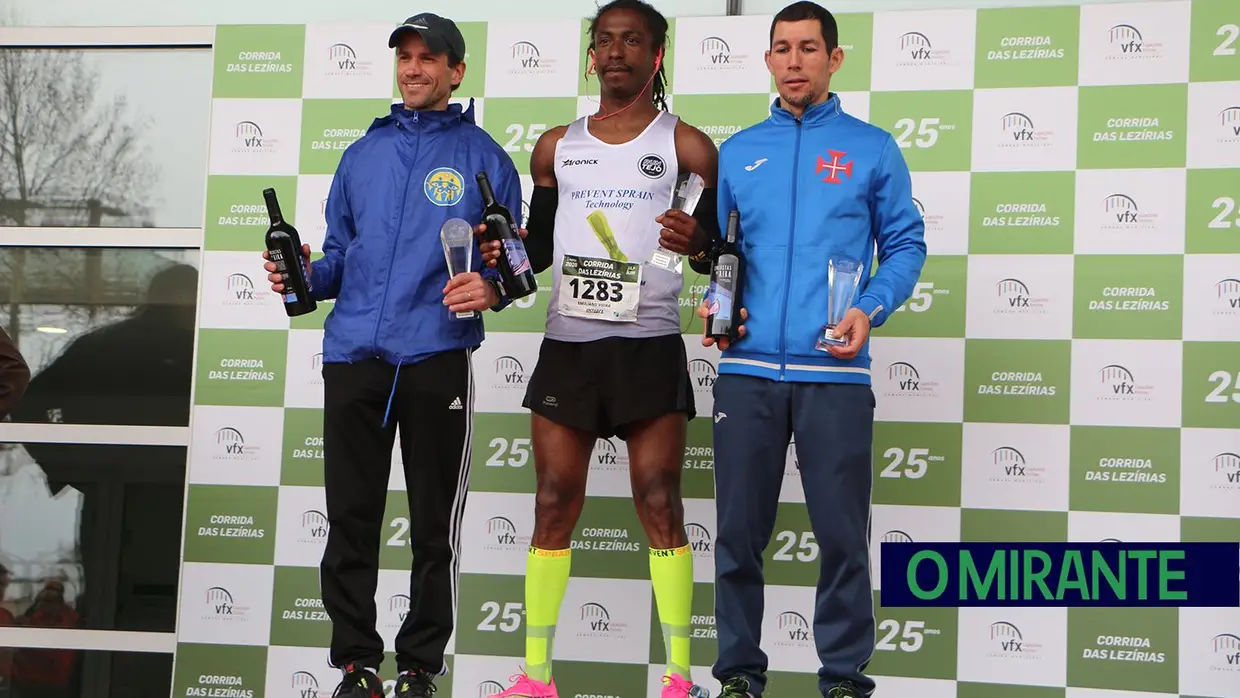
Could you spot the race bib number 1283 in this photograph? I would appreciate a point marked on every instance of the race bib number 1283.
(600, 289)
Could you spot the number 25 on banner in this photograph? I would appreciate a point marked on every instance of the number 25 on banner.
(528, 133)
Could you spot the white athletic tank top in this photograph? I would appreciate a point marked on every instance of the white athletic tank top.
(631, 184)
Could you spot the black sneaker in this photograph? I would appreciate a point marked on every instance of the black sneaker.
(845, 690)
(736, 687)
(415, 684)
(359, 682)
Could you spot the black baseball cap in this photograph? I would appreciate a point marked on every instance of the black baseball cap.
(440, 34)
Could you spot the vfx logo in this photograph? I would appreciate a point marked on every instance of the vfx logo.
(700, 540)
(1013, 466)
(703, 374)
(1228, 293)
(398, 606)
(607, 456)
(1125, 212)
(305, 685)
(240, 288)
(596, 617)
(249, 133)
(1010, 460)
(1229, 119)
(486, 689)
(1228, 466)
(503, 529)
(220, 604)
(1126, 42)
(528, 57)
(919, 49)
(907, 381)
(905, 375)
(509, 372)
(917, 45)
(716, 50)
(342, 56)
(230, 441)
(1122, 207)
(795, 625)
(896, 536)
(1226, 648)
(1014, 297)
(316, 362)
(314, 525)
(1011, 641)
(1119, 384)
(1019, 127)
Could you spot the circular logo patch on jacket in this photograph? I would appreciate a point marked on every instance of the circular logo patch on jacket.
(444, 186)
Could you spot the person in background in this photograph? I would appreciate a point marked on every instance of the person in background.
(810, 181)
(14, 375)
(620, 369)
(40, 672)
(395, 355)
(92, 382)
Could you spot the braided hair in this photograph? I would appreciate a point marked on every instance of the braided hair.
(656, 23)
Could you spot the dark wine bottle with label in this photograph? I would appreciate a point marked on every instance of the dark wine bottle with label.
(284, 248)
(726, 279)
(514, 264)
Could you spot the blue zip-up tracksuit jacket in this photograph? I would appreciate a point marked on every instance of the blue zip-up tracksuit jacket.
(382, 260)
(807, 188)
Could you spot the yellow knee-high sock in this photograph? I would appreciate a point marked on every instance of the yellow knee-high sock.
(671, 575)
(546, 578)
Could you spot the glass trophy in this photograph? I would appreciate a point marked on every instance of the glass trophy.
(843, 277)
(457, 237)
(685, 197)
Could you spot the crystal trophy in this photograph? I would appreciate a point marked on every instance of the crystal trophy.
(843, 277)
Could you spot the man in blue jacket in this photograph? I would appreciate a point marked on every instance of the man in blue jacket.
(809, 182)
(395, 354)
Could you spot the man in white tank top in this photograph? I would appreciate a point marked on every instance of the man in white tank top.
(613, 361)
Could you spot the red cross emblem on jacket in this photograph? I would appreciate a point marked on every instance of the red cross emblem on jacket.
(835, 166)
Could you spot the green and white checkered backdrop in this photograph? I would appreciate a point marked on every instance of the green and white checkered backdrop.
(1067, 369)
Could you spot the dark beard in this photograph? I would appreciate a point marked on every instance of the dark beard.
(802, 100)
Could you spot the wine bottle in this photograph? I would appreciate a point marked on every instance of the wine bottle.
(514, 264)
(284, 248)
(726, 278)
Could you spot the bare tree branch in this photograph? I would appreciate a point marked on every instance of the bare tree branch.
(63, 146)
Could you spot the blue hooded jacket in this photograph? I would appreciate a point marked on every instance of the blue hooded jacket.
(382, 260)
(807, 189)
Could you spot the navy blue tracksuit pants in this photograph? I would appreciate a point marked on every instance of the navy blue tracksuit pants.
(833, 424)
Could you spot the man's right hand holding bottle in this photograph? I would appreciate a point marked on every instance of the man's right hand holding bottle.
(491, 249)
(277, 279)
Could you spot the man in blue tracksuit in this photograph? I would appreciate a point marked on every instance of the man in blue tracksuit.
(394, 354)
(810, 182)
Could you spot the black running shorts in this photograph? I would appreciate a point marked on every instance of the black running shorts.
(604, 385)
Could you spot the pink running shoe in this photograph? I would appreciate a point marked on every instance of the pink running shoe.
(525, 687)
(676, 686)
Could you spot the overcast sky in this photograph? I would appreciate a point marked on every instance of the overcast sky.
(172, 89)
